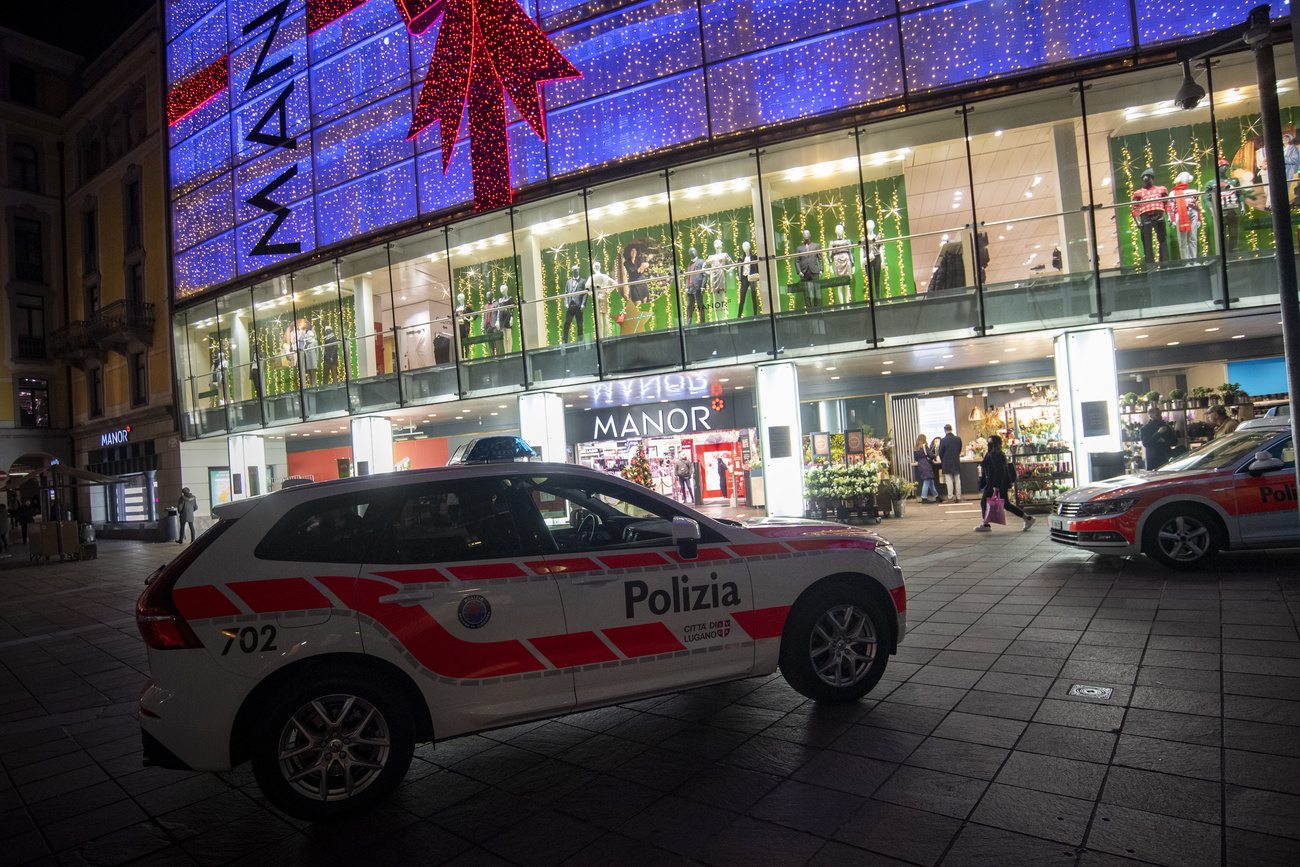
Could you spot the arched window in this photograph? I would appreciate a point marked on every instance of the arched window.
(24, 171)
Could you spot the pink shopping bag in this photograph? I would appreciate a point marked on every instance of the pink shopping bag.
(995, 511)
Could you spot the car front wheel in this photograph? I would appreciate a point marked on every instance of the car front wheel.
(834, 646)
(332, 748)
(1182, 539)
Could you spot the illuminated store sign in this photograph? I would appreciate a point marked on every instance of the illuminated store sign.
(657, 419)
(115, 438)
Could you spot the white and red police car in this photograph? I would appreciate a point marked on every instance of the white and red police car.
(1234, 493)
(320, 632)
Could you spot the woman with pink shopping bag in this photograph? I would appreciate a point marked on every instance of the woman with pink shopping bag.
(997, 478)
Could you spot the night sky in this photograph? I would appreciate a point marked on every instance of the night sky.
(84, 27)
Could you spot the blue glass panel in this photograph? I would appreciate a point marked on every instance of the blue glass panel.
(290, 41)
(820, 75)
(547, 8)
(204, 213)
(197, 47)
(527, 156)
(205, 265)
(422, 49)
(734, 27)
(381, 199)
(201, 157)
(1159, 20)
(245, 119)
(358, 25)
(627, 48)
(360, 143)
(972, 40)
(300, 226)
(636, 121)
(201, 119)
(360, 75)
(438, 192)
(1079, 28)
(253, 177)
(182, 13)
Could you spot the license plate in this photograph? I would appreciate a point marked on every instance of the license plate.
(1056, 522)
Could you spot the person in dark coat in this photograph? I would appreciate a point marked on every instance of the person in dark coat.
(24, 515)
(1158, 440)
(185, 507)
(950, 461)
(997, 472)
(925, 470)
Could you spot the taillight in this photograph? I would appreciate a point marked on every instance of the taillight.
(161, 625)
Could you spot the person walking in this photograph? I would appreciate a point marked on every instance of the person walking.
(997, 472)
(185, 507)
(684, 470)
(950, 462)
(925, 469)
(4, 530)
(24, 515)
(1158, 440)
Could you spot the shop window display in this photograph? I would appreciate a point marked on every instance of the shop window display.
(425, 342)
(322, 322)
(235, 359)
(200, 345)
(366, 358)
(485, 285)
(277, 371)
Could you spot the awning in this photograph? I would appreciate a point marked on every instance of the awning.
(36, 463)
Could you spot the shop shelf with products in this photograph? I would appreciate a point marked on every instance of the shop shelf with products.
(1044, 461)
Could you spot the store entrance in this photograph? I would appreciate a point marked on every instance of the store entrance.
(715, 467)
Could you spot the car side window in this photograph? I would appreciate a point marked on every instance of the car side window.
(469, 519)
(583, 514)
(1285, 452)
(327, 530)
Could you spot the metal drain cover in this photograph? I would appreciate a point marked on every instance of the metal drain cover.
(1085, 691)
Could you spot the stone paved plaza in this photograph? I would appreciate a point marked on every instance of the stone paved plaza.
(972, 751)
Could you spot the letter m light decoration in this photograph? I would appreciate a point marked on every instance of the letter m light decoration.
(485, 49)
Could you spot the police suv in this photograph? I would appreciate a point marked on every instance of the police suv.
(320, 632)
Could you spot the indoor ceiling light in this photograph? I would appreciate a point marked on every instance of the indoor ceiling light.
(976, 415)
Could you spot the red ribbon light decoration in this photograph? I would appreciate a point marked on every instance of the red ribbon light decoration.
(485, 49)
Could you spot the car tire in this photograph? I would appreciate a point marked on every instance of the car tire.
(835, 644)
(1183, 538)
(333, 747)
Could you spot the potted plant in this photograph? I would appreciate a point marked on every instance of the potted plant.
(1229, 392)
(898, 491)
(1153, 398)
(1176, 397)
(1200, 397)
(1130, 401)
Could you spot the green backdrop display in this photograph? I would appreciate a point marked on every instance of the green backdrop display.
(821, 212)
(268, 337)
(481, 284)
(1190, 149)
(733, 227)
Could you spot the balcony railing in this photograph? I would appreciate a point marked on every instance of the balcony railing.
(121, 324)
(75, 345)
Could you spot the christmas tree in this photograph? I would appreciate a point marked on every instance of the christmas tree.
(638, 470)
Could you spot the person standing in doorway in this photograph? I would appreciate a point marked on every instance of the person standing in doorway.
(684, 471)
(950, 462)
(24, 515)
(1158, 440)
(925, 470)
(4, 530)
(998, 473)
(185, 507)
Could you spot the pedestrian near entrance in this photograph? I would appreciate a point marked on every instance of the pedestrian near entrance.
(4, 530)
(1158, 440)
(998, 473)
(950, 462)
(1223, 422)
(684, 472)
(185, 507)
(925, 470)
(24, 516)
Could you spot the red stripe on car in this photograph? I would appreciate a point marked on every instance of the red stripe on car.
(487, 571)
(279, 594)
(647, 639)
(829, 544)
(705, 554)
(795, 530)
(900, 598)
(763, 623)
(759, 549)
(413, 576)
(580, 648)
(555, 567)
(437, 649)
(632, 561)
(200, 603)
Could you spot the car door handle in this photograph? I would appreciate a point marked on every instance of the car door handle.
(407, 597)
(598, 578)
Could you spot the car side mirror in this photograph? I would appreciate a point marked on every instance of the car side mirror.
(1264, 463)
(686, 536)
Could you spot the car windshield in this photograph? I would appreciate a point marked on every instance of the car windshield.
(1221, 455)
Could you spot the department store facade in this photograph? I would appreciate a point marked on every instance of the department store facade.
(728, 184)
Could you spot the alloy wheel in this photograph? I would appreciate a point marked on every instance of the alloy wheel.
(843, 645)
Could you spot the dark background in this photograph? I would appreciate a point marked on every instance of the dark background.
(84, 27)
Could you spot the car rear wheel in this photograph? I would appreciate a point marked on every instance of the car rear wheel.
(834, 646)
(1182, 538)
(331, 748)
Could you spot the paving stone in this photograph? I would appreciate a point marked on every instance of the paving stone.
(1262, 771)
(1067, 743)
(1052, 774)
(979, 729)
(980, 846)
(900, 832)
(958, 757)
(1167, 794)
(1154, 838)
(804, 807)
(1038, 814)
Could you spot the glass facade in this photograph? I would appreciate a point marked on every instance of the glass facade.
(288, 122)
(1017, 214)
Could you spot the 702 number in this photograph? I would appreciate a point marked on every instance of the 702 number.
(248, 639)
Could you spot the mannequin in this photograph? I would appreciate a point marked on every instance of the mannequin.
(748, 277)
(635, 271)
(308, 358)
(1149, 213)
(873, 257)
(330, 354)
(1229, 200)
(499, 316)
(842, 262)
(695, 280)
(575, 300)
(1186, 211)
(599, 284)
(1291, 155)
(809, 265)
(464, 321)
(219, 363)
(441, 347)
(718, 264)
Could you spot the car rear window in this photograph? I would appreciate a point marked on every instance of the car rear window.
(328, 530)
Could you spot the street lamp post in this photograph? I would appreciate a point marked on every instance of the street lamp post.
(1257, 33)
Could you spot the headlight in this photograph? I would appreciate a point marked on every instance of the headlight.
(886, 550)
(1106, 507)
